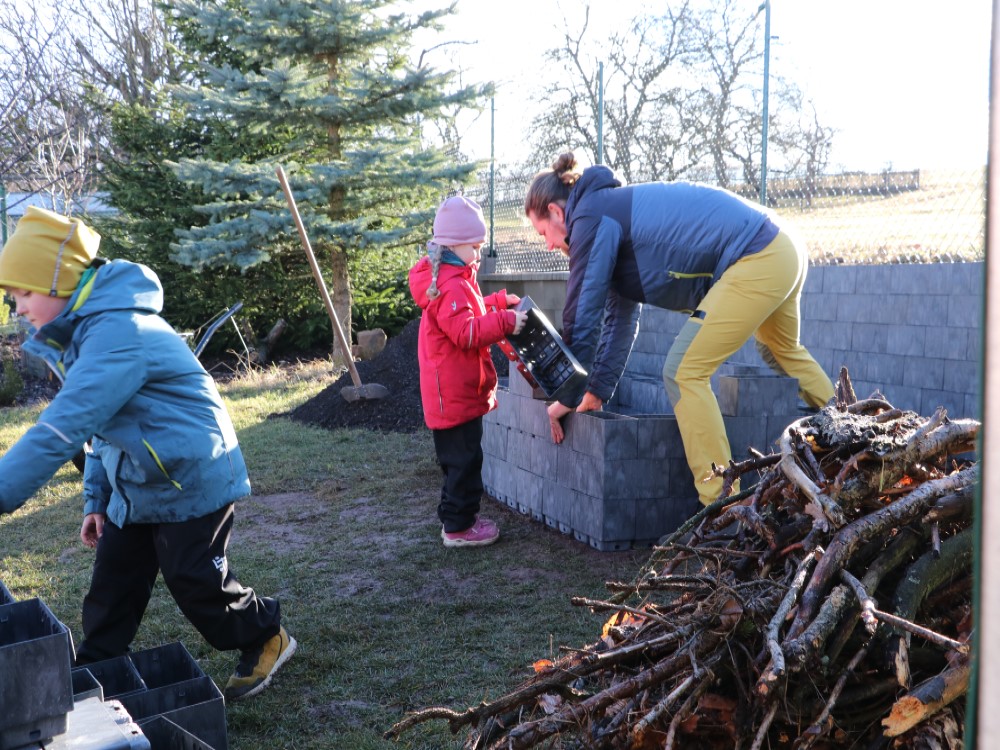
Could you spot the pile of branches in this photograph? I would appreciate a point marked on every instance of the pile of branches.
(828, 605)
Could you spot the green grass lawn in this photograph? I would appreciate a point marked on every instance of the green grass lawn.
(342, 528)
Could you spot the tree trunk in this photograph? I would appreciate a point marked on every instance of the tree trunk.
(340, 294)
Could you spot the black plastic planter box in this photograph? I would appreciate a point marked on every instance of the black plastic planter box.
(195, 705)
(165, 665)
(85, 685)
(5, 595)
(163, 734)
(117, 676)
(542, 356)
(36, 689)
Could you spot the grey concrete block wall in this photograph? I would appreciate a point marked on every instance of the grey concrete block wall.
(919, 340)
(617, 480)
(610, 483)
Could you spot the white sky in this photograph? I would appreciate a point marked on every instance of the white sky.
(904, 82)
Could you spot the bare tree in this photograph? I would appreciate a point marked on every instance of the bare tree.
(125, 46)
(61, 68)
(648, 133)
(682, 99)
(450, 127)
(805, 144)
(44, 124)
(729, 50)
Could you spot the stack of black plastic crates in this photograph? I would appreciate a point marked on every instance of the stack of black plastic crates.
(540, 355)
(154, 699)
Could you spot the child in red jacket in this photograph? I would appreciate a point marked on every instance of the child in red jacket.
(458, 383)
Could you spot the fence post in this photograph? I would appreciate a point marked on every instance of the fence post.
(600, 113)
(493, 162)
(766, 7)
(3, 213)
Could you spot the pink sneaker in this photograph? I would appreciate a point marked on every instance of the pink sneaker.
(481, 533)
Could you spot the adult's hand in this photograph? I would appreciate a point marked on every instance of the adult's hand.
(590, 402)
(93, 527)
(556, 412)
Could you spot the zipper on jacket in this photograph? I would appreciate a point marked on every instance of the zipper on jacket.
(679, 275)
(118, 487)
(437, 383)
(160, 464)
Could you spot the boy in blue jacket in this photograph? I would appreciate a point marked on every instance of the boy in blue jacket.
(165, 466)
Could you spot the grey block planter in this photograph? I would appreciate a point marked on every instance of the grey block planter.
(620, 477)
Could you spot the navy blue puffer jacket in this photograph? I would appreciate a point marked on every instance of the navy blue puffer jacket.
(661, 243)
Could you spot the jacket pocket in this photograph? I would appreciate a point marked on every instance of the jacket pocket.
(159, 464)
(684, 291)
(438, 392)
(141, 464)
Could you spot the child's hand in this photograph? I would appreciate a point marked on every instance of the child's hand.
(520, 316)
(556, 412)
(512, 299)
(93, 527)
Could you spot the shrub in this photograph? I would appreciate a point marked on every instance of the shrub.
(11, 382)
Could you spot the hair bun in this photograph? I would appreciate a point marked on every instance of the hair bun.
(564, 163)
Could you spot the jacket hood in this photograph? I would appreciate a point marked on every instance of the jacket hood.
(593, 178)
(107, 286)
(118, 285)
(420, 278)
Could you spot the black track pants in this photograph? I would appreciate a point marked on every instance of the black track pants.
(460, 453)
(191, 555)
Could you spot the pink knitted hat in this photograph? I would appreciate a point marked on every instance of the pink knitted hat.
(459, 221)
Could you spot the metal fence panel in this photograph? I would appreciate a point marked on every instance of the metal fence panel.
(920, 216)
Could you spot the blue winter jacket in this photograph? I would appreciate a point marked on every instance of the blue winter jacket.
(164, 448)
(659, 243)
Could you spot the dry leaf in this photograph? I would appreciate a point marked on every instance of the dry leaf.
(550, 703)
(542, 665)
(732, 612)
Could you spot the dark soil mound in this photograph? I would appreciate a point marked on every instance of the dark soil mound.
(397, 368)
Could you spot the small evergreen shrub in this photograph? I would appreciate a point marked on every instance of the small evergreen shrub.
(11, 382)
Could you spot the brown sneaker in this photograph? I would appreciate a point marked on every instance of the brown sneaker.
(257, 667)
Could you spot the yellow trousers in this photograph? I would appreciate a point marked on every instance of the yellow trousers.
(757, 296)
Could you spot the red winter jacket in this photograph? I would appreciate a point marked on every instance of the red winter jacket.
(458, 381)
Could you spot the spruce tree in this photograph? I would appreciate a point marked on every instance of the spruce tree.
(331, 84)
(151, 202)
